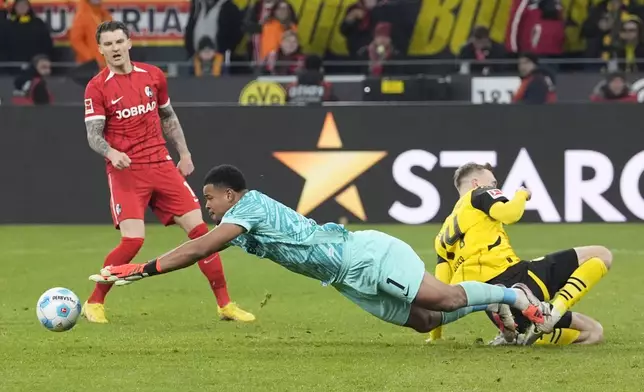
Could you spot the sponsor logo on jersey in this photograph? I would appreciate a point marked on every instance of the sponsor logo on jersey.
(89, 106)
(136, 111)
(495, 193)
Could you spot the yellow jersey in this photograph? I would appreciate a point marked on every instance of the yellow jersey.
(474, 244)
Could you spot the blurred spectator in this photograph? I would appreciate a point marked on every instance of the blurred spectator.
(613, 89)
(537, 83)
(311, 87)
(281, 19)
(206, 61)
(254, 20)
(30, 88)
(359, 23)
(219, 20)
(82, 34)
(480, 48)
(27, 35)
(628, 52)
(603, 24)
(288, 59)
(536, 26)
(379, 51)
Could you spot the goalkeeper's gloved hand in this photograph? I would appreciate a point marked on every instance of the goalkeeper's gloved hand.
(121, 275)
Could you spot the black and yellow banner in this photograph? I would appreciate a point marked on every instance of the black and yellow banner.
(432, 27)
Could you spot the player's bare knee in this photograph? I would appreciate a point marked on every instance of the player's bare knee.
(586, 253)
(132, 228)
(596, 334)
(189, 220)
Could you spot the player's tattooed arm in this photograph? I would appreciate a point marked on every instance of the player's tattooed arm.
(95, 136)
(172, 130)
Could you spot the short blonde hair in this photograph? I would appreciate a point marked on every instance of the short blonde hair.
(467, 169)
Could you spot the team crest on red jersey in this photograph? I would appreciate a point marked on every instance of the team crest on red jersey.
(495, 193)
(148, 91)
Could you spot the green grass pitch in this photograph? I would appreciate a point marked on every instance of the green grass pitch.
(164, 333)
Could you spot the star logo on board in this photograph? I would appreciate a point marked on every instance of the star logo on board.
(330, 171)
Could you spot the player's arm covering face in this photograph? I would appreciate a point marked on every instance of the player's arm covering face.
(494, 203)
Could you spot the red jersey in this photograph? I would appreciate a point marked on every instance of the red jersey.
(129, 104)
(529, 31)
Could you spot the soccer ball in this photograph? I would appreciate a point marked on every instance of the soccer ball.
(58, 309)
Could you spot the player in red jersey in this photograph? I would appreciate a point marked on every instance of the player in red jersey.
(127, 115)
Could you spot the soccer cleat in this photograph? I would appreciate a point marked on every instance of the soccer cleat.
(94, 313)
(235, 313)
(534, 311)
(501, 340)
(535, 331)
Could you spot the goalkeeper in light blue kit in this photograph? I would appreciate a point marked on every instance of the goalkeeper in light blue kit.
(381, 274)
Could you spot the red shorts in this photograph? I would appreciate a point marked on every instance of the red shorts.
(159, 186)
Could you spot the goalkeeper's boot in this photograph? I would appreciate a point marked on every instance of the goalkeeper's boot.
(232, 312)
(535, 331)
(94, 313)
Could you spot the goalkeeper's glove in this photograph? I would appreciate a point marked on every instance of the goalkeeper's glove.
(121, 275)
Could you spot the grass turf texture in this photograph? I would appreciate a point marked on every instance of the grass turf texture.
(164, 333)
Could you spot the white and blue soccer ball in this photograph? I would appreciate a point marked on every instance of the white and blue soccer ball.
(58, 309)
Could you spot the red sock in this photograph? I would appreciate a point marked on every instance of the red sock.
(213, 270)
(122, 254)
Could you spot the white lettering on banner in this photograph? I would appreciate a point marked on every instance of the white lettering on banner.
(524, 173)
(579, 191)
(158, 21)
(629, 185)
(494, 89)
(459, 158)
(430, 200)
(136, 110)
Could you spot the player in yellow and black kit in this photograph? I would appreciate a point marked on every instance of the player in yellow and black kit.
(473, 245)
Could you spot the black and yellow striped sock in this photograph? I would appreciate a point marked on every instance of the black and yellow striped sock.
(579, 283)
(559, 337)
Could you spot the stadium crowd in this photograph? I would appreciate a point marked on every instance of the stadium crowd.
(535, 40)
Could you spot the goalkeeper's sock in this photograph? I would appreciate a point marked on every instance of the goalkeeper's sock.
(484, 294)
(212, 268)
(122, 254)
(579, 283)
(450, 317)
(559, 337)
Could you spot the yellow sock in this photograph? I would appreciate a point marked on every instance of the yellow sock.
(559, 337)
(584, 277)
